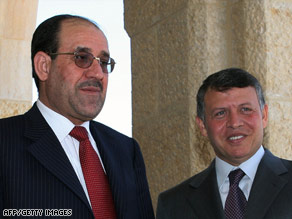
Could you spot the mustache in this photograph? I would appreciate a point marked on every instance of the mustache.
(92, 83)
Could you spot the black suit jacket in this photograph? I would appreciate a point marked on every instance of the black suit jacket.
(35, 172)
(198, 197)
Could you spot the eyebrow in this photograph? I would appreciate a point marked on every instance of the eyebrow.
(247, 103)
(239, 105)
(83, 49)
(88, 50)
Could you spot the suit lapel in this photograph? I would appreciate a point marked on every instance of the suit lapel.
(268, 182)
(204, 197)
(111, 158)
(48, 151)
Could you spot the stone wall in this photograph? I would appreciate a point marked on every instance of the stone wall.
(17, 23)
(175, 45)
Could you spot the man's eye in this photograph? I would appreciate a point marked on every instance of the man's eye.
(104, 62)
(219, 114)
(246, 109)
(81, 57)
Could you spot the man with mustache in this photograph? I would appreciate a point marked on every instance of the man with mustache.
(245, 180)
(54, 158)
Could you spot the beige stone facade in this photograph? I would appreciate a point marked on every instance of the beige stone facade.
(17, 23)
(175, 45)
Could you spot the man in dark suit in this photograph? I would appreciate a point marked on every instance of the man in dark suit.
(245, 180)
(41, 172)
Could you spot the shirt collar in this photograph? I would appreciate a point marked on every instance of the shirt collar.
(59, 124)
(249, 167)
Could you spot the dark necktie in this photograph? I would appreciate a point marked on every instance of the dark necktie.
(235, 204)
(96, 181)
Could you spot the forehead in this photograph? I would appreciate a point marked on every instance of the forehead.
(233, 96)
(83, 34)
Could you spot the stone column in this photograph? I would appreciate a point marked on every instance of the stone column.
(278, 76)
(17, 23)
(175, 45)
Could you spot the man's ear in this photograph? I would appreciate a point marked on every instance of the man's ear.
(42, 64)
(201, 126)
(265, 115)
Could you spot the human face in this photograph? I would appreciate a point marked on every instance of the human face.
(74, 92)
(234, 123)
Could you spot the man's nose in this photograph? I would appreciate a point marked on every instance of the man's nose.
(234, 120)
(95, 70)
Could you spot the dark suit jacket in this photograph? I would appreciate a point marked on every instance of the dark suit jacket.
(198, 197)
(35, 172)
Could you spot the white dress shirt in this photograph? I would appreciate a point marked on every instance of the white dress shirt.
(250, 167)
(62, 127)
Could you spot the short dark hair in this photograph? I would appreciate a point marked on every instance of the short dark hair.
(225, 80)
(46, 37)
